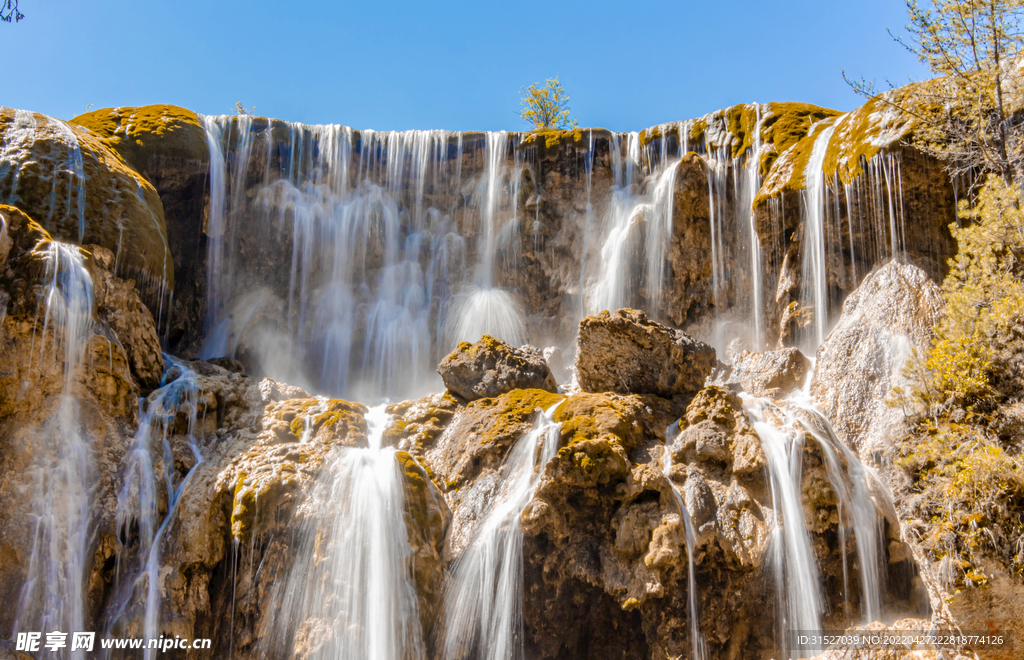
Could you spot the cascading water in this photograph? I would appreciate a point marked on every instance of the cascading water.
(67, 177)
(637, 231)
(699, 646)
(852, 482)
(373, 220)
(817, 232)
(483, 599)
(783, 428)
(349, 592)
(796, 572)
(53, 595)
(137, 517)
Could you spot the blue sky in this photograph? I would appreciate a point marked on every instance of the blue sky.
(453, 65)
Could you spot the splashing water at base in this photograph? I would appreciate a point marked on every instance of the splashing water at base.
(350, 593)
(479, 312)
(484, 597)
(862, 503)
(796, 570)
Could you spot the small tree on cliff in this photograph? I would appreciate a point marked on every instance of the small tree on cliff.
(970, 117)
(546, 107)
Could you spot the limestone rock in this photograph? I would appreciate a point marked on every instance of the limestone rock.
(889, 315)
(167, 145)
(772, 373)
(490, 368)
(625, 352)
(120, 347)
(102, 201)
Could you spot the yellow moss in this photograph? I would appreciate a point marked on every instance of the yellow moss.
(339, 418)
(553, 138)
(121, 209)
(141, 132)
(591, 416)
(511, 411)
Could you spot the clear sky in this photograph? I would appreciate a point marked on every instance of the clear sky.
(446, 64)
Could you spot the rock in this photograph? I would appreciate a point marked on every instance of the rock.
(149, 136)
(418, 423)
(553, 358)
(7, 651)
(99, 198)
(772, 373)
(625, 352)
(888, 316)
(167, 145)
(490, 368)
(120, 347)
(119, 305)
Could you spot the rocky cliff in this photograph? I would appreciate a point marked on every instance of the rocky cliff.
(685, 493)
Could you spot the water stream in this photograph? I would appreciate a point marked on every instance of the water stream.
(484, 596)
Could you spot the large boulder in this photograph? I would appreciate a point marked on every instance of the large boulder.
(891, 314)
(625, 352)
(79, 190)
(490, 368)
(167, 145)
(772, 373)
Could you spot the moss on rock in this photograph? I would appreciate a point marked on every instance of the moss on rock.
(69, 180)
(150, 131)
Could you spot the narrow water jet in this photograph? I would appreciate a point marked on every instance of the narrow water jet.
(53, 594)
(698, 643)
(483, 605)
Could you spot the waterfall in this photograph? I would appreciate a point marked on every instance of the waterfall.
(216, 332)
(796, 572)
(53, 595)
(784, 428)
(136, 514)
(817, 235)
(349, 592)
(374, 222)
(638, 227)
(484, 596)
(852, 482)
(699, 646)
(750, 187)
(735, 244)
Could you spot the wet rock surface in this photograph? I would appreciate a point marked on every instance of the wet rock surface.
(606, 553)
(625, 352)
(890, 315)
(772, 373)
(121, 346)
(81, 191)
(490, 368)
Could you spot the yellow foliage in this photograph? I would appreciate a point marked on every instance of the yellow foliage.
(965, 455)
(546, 107)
